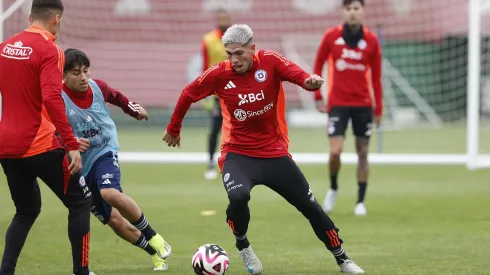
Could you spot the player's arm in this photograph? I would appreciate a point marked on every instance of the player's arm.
(289, 71)
(51, 85)
(376, 77)
(116, 98)
(321, 57)
(200, 88)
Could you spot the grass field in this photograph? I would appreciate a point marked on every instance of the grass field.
(447, 140)
(421, 220)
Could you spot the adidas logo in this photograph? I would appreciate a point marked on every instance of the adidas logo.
(72, 113)
(89, 119)
(107, 181)
(230, 85)
(339, 41)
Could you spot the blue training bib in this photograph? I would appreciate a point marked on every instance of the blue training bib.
(94, 124)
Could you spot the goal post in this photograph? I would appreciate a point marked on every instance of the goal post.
(473, 107)
(478, 145)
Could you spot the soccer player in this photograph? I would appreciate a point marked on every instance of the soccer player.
(354, 58)
(31, 68)
(213, 52)
(87, 113)
(255, 138)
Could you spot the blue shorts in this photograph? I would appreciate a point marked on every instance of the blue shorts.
(104, 174)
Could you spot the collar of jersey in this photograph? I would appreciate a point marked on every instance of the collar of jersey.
(36, 29)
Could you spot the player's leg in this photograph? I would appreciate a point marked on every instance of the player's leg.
(25, 194)
(121, 226)
(52, 168)
(124, 229)
(284, 177)
(216, 123)
(107, 178)
(239, 177)
(362, 121)
(129, 210)
(338, 118)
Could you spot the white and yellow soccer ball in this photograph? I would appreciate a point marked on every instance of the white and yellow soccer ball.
(210, 259)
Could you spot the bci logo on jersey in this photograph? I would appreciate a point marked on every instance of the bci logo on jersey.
(250, 98)
(89, 129)
(92, 133)
(351, 54)
(16, 51)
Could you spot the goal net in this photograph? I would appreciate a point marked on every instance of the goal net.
(150, 49)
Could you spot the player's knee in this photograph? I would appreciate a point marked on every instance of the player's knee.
(86, 204)
(78, 207)
(313, 212)
(111, 196)
(336, 146)
(29, 214)
(335, 152)
(362, 159)
(239, 198)
(362, 153)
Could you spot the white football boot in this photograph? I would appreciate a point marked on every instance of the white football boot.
(252, 263)
(360, 209)
(210, 174)
(330, 199)
(350, 267)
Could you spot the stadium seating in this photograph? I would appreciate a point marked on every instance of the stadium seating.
(144, 49)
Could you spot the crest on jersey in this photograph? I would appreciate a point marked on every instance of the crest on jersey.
(260, 75)
(362, 44)
(82, 182)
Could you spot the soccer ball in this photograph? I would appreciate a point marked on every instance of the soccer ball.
(210, 259)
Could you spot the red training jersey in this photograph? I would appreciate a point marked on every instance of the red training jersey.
(350, 70)
(111, 95)
(253, 104)
(31, 67)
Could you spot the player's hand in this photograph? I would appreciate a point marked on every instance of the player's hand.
(142, 115)
(314, 82)
(76, 161)
(83, 144)
(377, 121)
(171, 140)
(321, 106)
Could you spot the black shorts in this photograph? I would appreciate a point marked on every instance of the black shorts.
(241, 173)
(361, 117)
(52, 168)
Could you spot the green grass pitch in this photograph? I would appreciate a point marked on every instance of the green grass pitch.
(421, 220)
